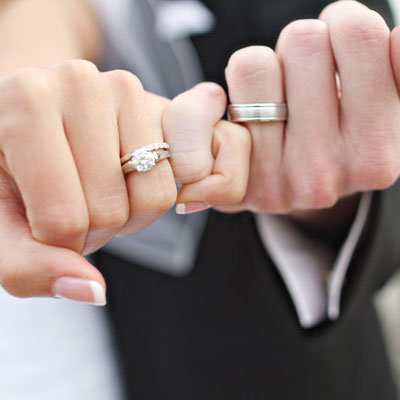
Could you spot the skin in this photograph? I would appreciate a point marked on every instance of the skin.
(62, 192)
(337, 143)
(64, 127)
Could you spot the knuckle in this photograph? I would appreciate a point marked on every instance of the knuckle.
(155, 201)
(375, 163)
(179, 108)
(200, 107)
(316, 191)
(80, 79)
(268, 199)
(357, 27)
(20, 108)
(166, 197)
(315, 198)
(125, 82)
(304, 37)
(191, 166)
(59, 225)
(248, 64)
(338, 7)
(237, 192)
(176, 114)
(383, 177)
(25, 88)
(10, 128)
(238, 134)
(242, 136)
(369, 31)
(232, 191)
(376, 173)
(78, 71)
(234, 187)
(109, 218)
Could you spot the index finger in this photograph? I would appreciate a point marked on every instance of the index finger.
(39, 159)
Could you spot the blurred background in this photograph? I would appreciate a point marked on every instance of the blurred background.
(388, 305)
(388, 300)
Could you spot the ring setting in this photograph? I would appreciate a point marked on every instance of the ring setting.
(258, 112)
(145, 158)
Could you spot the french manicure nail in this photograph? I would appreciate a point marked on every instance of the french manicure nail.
(191, 207)
(79, 290)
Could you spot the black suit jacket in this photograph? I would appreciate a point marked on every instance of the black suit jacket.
(229, 329)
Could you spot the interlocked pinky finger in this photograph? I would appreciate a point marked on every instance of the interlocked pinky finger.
(227, 183)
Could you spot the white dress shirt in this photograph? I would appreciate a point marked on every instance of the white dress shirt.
(313, 274)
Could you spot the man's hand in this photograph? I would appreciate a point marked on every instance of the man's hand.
(332, 145)
(341, 138)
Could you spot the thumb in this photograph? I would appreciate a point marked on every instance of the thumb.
(29, 268)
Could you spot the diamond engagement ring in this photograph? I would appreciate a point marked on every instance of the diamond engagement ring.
(145, 158)
(258, 112)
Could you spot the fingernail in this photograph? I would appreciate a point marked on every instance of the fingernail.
(191, 207)
(80, 290)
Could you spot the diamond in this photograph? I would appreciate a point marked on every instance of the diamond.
(144, 161)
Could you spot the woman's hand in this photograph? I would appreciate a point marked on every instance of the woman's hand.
(62, 190)
(209, 157)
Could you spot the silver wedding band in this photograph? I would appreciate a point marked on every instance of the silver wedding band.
(258, 112)
(145, 158)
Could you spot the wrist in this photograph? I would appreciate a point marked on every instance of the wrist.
(61, 31)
